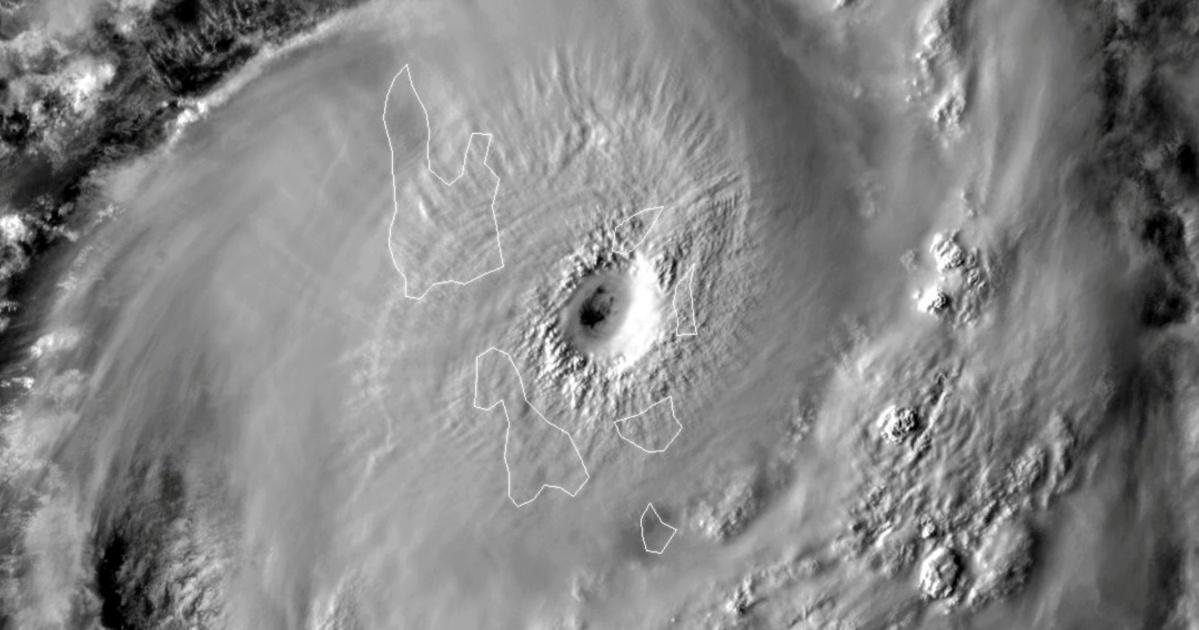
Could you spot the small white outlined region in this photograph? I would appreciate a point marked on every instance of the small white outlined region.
(407, 72)
(480, 404)
(693, 326)
(643, 430)
(657, 210)
(654, 543)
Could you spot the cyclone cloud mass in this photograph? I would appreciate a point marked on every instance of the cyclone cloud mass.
(829, 314)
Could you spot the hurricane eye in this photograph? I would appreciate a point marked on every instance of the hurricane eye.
(598, 309)
(613, 315)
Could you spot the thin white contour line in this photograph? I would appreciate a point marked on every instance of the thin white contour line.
(649, 507)
(508, 431)
(429, 163)
(675, 302)
(670, 401)
(649, 229)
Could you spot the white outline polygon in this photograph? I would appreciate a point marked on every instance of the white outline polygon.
(508, 431)
(675, 302)
(429, 163)
(649, 507)
(649, 229)
(669, 400)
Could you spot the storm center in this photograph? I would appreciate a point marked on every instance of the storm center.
(614, 315)
(600, 312)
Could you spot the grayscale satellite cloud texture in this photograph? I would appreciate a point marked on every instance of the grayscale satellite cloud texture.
(565, 315)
